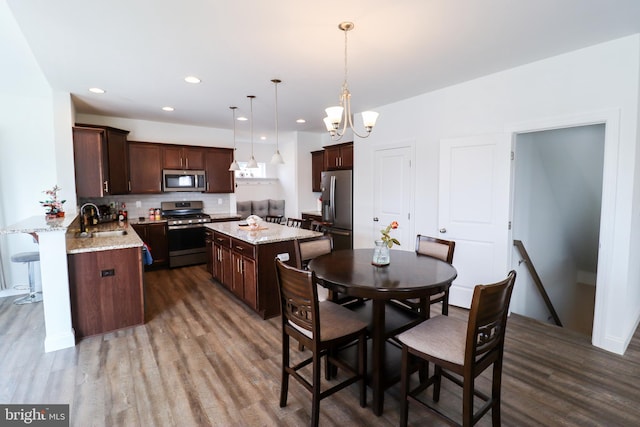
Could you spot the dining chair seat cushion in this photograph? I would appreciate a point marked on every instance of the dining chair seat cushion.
(335, 322)
(443, 337)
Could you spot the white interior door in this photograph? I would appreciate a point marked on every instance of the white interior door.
(474, 194)
(392, 194)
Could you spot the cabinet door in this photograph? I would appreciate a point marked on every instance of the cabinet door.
(227, 267)
(172, 157)
(219, 178)
(145, 168)
(91, 162)
(208, 241)
(118, 161)
(317, 166)
(250, 283)
(158, 242)
(332, 158)
(346, 156)
(237, 286)
(193, 158)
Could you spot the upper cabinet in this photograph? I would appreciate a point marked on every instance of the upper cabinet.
(182, 157)
(338, 156)
(317, 166)
(101, 160)
(146, 167)
(216, 165)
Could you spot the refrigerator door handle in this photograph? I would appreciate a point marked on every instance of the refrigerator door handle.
(338, 232)
(332, 197)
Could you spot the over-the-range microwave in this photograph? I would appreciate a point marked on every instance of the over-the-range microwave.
(183, 180)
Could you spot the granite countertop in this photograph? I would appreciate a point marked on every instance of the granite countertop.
(268, 232)
(38, 224)
(77, 245)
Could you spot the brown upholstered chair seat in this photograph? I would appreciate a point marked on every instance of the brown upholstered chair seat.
(442, 337)
(335, 322)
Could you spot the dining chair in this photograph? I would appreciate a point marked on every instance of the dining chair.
(460, 351)
(276, 219)
(298, 222)
(323, 327)
(442, 250)
(317, 226)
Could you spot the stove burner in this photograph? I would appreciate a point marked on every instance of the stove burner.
(184, 213)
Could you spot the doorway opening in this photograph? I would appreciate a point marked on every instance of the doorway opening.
(558, 183)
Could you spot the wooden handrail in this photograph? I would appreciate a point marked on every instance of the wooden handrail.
(536, 279)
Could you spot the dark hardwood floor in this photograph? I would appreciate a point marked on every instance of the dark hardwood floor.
(202, 358)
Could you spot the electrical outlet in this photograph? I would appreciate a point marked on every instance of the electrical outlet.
(138, 204)
(219, 201)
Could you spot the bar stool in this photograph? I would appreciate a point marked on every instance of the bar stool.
(29, 258)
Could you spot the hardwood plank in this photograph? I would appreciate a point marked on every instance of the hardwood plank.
(203, 358)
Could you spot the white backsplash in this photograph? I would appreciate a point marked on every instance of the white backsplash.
(213, 203)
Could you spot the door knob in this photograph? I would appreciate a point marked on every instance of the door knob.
(443, 230)
(375, 219)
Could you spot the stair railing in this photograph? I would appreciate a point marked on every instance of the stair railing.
(536, 279)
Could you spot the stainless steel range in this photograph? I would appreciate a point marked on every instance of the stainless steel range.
(185, 222)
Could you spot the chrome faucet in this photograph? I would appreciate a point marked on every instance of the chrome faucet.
(83, 228)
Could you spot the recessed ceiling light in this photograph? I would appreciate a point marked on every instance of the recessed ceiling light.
(263, 138)
(192, 79)
(301, 121)
(96, 90)
(168, 108)
(242, 119)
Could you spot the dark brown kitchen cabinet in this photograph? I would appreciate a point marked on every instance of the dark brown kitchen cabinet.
(222, 263)
(182, 157)
(317, 166)
(338, 156)
(208, 241)
(101, 160)
(244, 283)
(154, 234)
(145, 161)
(216, 165)
(106, 290)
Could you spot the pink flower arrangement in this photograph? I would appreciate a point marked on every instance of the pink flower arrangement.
(52, 204)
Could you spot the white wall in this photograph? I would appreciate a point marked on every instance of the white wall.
(601, 77)
(30, 160)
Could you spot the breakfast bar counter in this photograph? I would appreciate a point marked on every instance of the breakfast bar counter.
(242, 260)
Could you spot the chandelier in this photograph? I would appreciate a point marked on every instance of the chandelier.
(341, 114)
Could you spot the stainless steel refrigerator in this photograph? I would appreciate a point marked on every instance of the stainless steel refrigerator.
(337, 206)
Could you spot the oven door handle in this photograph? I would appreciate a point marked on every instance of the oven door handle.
(182, 227)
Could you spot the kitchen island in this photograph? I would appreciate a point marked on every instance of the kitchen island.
(243, 260)
(105, 278)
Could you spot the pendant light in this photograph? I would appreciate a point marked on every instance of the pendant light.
(252, 161)
(234, 164)
(276, 159)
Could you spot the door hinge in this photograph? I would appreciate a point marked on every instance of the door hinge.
(409, 216)
(509, 225)
(513, 155)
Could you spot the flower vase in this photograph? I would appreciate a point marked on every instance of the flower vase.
(381, 256)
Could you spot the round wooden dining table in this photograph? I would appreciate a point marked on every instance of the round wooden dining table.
(409, 275)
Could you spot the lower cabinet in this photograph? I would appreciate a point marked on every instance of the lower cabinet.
(155, 236)
(106, 290)
(248, 271)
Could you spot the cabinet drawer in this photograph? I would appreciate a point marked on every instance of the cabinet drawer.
(221, 239)
(244, 248)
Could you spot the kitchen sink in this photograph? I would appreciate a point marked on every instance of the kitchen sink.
(109, 233)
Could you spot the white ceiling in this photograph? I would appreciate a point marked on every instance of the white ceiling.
(140, 51)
